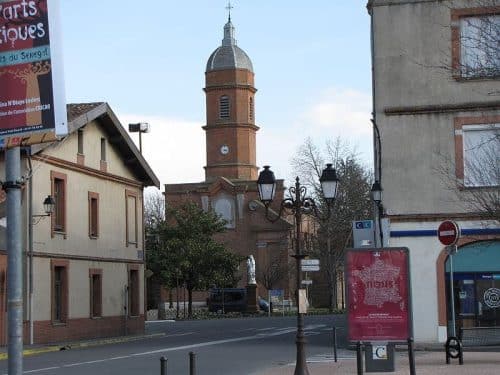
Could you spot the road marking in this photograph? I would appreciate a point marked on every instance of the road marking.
(281, 331)
(39, 370)
(180, 334)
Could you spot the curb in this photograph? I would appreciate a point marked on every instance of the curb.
(80, 344)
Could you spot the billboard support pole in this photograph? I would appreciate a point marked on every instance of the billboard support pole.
(411, 356)
(12, 185)
(359, 358)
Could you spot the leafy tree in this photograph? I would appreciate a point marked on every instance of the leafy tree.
(352, 203)
(187, 252)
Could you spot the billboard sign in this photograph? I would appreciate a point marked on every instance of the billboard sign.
(32, 102)
(378, 292)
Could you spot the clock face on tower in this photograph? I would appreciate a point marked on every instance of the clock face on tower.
(224, 149)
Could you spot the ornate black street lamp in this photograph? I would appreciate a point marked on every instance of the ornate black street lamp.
(297, 203)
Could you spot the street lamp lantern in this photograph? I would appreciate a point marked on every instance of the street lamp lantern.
(329, 183)
(297, 203)
(49, 205)
(376, 192)
(267, 185)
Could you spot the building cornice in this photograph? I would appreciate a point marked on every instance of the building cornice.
(442, 108)
(85, 170)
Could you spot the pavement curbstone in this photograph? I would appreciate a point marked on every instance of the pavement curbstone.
(79, 344)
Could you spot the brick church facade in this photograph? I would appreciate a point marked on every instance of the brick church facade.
(230, 186)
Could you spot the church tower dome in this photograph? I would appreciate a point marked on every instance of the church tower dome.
(229, 55)
(230, 102)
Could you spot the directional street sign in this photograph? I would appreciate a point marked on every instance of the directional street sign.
(309, 262)
(312, 268)
(307, 282)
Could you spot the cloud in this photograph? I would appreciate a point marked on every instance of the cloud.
(335, 112)
(174, 148)
(345, 112)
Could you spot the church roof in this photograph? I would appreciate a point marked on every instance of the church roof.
(229, 55)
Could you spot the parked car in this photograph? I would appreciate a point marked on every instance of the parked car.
(263, 304)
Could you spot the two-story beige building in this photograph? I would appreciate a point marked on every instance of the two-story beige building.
(84, 265)
(437, 106)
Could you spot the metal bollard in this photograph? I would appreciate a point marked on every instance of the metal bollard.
(335, 343)
(359, 358)
(163, 366)
(192, 363)
(411, 356)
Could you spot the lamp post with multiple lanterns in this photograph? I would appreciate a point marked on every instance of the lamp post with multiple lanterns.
(297, 203)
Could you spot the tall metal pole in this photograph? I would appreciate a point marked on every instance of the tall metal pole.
(14, 261)
(377, 146)
(140, 141)
(452, 291)
(301, 363)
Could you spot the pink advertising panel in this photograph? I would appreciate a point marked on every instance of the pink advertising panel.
(378, 294)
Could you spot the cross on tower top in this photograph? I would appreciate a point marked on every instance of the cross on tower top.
(229, 7)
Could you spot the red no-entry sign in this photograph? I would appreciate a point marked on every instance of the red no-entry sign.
(448, 233)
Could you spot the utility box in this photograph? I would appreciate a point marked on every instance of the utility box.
(379, 357)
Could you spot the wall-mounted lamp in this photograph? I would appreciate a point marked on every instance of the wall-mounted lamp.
(48, 205)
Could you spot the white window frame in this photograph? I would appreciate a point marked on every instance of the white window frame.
(488, 174)
(479, 37)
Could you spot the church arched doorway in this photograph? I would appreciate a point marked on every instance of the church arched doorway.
(476, 276)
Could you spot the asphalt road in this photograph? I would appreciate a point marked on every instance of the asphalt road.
(222, 347)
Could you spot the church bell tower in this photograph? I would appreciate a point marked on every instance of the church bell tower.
(230, 104)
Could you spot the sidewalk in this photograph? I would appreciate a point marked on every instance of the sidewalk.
(431, 363)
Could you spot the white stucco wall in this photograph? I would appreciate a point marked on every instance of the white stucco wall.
(83, 252)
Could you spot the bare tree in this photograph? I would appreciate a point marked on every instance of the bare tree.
(478, 190)
(352, 203)
(154, 208)
(275, 269)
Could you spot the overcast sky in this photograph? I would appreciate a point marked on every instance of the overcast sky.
(147, 60)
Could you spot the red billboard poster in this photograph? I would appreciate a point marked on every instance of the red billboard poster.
(31, 85)
(378, 294)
